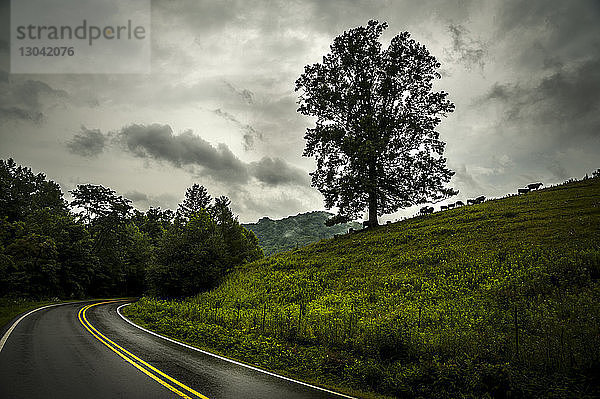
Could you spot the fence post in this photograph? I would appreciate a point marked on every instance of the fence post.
(516, 332)
(263, 317)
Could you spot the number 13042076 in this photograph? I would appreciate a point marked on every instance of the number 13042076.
(46, 51)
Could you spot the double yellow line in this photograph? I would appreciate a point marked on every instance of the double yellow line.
(151, 371)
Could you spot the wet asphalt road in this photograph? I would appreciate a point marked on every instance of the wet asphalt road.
(50, 354)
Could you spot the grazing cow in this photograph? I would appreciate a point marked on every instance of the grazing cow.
(475, 201)
(535, 186)
(523, 190)
(459, 203)
(443, 207)
(426, 210)
(450, 206)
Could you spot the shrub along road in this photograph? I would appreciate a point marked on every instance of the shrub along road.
(88, 350)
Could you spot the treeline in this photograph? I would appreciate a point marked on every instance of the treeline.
(99, 245)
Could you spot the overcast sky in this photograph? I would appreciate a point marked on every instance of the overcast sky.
(219, 106)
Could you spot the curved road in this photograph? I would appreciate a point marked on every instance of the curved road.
(89, 351)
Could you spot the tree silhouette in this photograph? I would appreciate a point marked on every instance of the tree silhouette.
(97, 202)
(374, 140)
(22, 192)
(196, 199)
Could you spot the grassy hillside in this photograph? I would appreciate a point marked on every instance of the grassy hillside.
(493, 300)
(295, 231)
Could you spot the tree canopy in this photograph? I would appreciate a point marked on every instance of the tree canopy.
(196, 199)
(375, 139)
(22, 191)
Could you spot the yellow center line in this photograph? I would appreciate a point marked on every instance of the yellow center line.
(123, 353)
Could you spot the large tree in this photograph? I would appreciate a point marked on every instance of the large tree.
(376, 113)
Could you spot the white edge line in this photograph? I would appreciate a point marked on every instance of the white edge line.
(229, 360)
(10, 330)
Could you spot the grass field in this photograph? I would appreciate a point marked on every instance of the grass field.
(499, 300)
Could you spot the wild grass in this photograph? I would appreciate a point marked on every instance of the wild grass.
(493, 300)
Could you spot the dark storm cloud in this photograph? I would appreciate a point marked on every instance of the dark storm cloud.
(547, 34)
(550, 97)
(566, 95)
(27, 100)
(275, 172)
(249, 133)
(87, 143)
(466, 50)
(570, 17)
(186, 149)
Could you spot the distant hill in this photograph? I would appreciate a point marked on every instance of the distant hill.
(295, 231)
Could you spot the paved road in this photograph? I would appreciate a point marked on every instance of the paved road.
(76, 351)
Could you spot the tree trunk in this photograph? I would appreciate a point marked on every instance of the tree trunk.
(373, 195)
(373, 209)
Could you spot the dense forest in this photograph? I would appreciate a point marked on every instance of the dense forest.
(99, 245)
(295, 231)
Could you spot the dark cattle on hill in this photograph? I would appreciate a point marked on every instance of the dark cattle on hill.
(535, 186)
(426, 210)
(474, 201)
(523, 190)
(443, 207)
(450, 206)
(459, 203)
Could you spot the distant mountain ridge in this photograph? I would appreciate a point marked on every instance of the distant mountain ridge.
(299, 230)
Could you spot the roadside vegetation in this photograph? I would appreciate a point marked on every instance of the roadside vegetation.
(496, 300)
